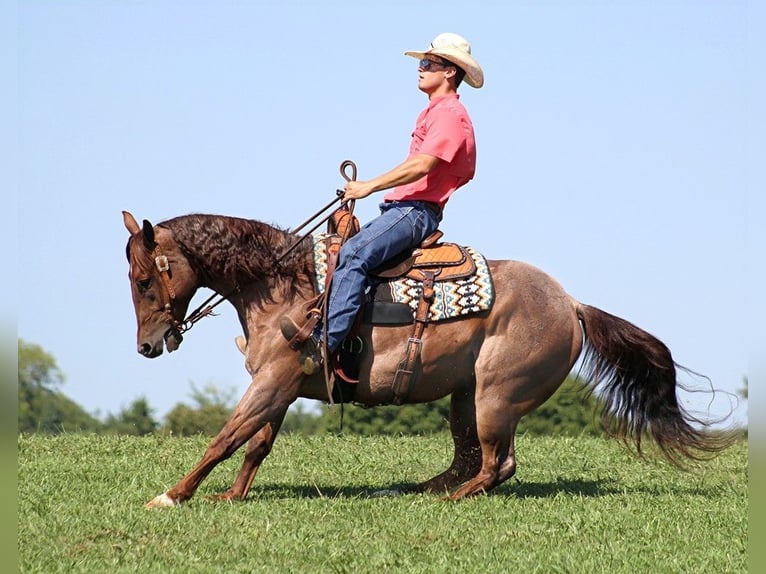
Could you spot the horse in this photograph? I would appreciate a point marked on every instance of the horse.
(497, 365)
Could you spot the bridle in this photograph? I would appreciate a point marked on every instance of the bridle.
(178, 328)
(169, 295)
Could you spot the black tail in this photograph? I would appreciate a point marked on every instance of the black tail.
(634, 375)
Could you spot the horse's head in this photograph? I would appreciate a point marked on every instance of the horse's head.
(161, 283)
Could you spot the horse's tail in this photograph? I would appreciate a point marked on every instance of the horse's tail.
(634, 375)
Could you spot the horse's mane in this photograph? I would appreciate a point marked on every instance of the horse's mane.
(240, 250)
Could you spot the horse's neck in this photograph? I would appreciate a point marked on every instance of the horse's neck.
(247, 286)
(238, 259)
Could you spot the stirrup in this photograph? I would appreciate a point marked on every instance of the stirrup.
(296, 336)
(310, 357)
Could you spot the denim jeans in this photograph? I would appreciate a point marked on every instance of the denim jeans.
(401, 225)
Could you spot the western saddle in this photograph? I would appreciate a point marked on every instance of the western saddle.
(430, 262)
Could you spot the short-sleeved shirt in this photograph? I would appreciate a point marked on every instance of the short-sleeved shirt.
(443, 130)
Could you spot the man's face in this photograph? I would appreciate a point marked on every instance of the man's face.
(431, 73)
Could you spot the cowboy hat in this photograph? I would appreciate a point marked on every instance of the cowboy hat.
(457, 50)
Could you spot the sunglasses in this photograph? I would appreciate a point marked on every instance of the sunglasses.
(425, 64)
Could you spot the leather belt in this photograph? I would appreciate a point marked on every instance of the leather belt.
(431, 206)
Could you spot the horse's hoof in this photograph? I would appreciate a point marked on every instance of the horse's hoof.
(241, 344)
(161, 501)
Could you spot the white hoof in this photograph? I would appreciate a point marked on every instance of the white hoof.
(161, 501)
(241, 344)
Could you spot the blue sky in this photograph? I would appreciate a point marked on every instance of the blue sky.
(617, 148)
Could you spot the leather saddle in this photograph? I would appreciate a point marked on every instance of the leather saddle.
(428, 263)
(444, 261)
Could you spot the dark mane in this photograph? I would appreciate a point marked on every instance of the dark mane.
(240, 250)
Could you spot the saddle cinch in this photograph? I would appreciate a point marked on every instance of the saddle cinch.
(428, 263)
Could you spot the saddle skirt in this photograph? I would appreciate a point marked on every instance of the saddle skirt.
(462, 282)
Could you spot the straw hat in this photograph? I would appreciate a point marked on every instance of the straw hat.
(457, 50)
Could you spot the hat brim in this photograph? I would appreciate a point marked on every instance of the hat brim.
(474, 76)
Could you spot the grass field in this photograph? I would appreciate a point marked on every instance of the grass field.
(576, 505)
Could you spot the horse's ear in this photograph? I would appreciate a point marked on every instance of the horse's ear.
(148, 230)
(130, 222)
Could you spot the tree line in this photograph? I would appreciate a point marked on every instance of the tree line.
(44, 408)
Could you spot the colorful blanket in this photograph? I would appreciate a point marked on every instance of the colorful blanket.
(452, 298)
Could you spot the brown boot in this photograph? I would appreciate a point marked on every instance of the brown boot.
(310, 355)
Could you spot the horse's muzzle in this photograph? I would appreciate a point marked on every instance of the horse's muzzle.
(172, 340)
(150, 351)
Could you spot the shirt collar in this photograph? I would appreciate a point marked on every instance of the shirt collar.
(434, 101)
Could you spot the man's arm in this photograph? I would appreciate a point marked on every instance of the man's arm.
(412, 169)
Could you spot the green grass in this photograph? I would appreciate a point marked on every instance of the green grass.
(576, 505)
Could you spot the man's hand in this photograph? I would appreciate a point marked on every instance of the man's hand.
(357, 189)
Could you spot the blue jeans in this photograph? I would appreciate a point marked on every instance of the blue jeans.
(401, 225)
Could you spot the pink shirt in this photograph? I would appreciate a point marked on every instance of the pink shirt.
(442, 130)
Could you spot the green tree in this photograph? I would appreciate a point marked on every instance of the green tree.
(41, 406)
(135, 420)
(301, 420)
(211, 411)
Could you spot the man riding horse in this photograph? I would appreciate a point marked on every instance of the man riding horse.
(442, 158)
(497, 364)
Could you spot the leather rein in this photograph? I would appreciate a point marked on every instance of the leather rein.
(206, 308)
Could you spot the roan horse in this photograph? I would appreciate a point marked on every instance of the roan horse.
(497, 365)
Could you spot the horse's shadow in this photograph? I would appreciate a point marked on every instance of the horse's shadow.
(516, 489)
(585, 488)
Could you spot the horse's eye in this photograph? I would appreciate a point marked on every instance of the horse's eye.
(144, 285)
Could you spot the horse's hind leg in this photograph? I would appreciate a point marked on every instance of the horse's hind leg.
(466, 461)
(497, 417)
(508, 467)
(495, 430)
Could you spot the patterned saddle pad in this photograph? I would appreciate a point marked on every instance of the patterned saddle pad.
(452, 299)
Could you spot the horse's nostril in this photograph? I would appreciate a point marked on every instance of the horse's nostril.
(145, 349)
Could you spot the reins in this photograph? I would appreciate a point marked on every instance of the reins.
(339, 193)
(206, 308)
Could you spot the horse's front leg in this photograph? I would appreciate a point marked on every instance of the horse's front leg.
(258, 449)
(261, 410)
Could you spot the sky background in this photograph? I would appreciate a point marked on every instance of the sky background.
(619, 145)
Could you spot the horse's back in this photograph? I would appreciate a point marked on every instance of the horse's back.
(522, 287)
(531, 326)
